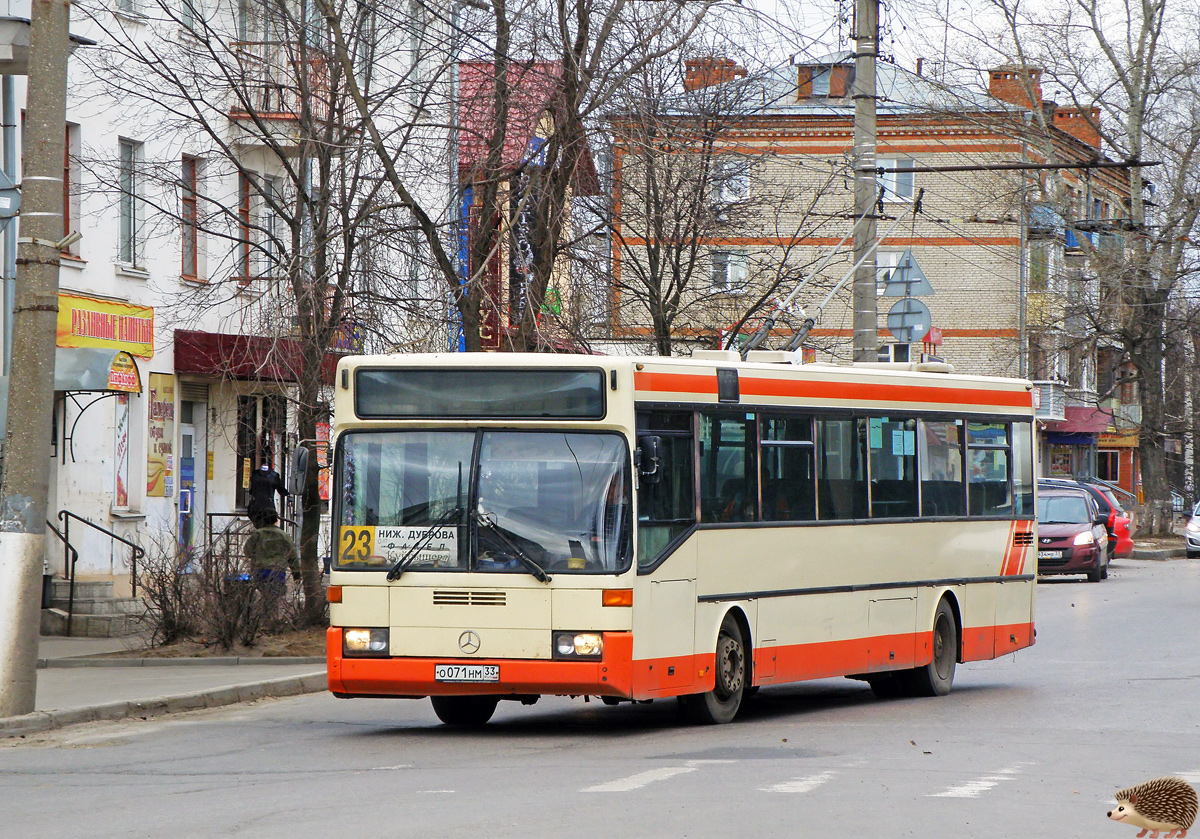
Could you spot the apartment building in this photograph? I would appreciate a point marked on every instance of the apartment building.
(202, 140)
(993, 255)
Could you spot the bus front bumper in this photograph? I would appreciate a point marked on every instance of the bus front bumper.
(414, 677)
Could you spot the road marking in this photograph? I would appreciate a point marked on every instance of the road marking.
(390, 768)
(800, 785)
(641, 779)
(435, 791)
(1192, 776)
(975, 788)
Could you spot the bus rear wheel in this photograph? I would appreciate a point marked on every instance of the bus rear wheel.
(936, 677)
(721, 704)
(464, 711)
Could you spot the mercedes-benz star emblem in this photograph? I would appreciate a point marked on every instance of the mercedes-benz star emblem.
(468, 642)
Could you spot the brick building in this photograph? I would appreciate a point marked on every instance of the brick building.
(1000, 251)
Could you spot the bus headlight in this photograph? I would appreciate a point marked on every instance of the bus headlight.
(365, 641)
(578, 645)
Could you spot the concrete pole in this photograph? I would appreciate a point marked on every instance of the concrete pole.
(866, 316)
(23, 494)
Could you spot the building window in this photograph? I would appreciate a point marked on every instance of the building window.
(190, 13)
(896, 186)
(1108, 465)
(128, 182)
(1039, 268)
(244, 272)
(271, 229)
(70, 208)
(189, 213)
(729, 270)
(129, 7)
(731, 180)
(885, 263)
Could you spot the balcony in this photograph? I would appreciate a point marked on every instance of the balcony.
(283, 95)
(1050, 400)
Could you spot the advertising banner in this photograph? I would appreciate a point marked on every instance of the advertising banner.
(160, 460)
(105, 324)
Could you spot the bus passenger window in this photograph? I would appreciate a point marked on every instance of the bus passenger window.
(666, 508)
(892, 443)
(988, 492)
(1022, 453)
(728, 489)
(789, 489)
(940, 443)
(841, 469)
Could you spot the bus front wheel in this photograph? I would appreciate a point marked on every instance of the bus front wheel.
(465, 711)
(720, 705)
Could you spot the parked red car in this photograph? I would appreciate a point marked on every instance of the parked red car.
(1071, 536)
(1117, 522)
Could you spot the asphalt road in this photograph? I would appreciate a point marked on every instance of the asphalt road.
(1030, 745)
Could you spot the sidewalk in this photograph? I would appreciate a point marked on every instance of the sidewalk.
(74, 688)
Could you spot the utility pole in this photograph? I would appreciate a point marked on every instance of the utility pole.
(866, 316)
(23, 493)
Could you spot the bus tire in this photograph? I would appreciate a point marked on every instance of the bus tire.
(464, 711)
(721, 704)
(936, 677)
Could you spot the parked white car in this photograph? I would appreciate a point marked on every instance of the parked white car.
(1192, 533)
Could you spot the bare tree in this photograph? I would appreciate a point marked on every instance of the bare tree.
(1131, 72)
(261, 172)
(577, 56)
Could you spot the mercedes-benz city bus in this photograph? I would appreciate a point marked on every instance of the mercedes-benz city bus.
(511, 526)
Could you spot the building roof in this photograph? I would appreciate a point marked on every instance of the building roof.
(900, 91)
(532, 85)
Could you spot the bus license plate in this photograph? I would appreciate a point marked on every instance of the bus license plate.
(466, 672)
(1049, 554)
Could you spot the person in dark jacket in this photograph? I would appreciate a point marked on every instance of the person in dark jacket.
(264, 483)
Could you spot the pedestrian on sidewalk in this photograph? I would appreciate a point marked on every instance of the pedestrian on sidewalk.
(272, 553)
(264, 483)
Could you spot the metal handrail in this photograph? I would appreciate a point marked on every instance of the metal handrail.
(293, 524)
(67, 564)
(65, 517)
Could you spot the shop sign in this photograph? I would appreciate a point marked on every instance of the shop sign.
(123, 374)
(105, 324)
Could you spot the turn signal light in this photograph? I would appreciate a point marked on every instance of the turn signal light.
(333, 594)
(618, 597)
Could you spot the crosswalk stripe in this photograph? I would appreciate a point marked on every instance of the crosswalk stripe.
(641, 779)
(800, 785)
(978, 786)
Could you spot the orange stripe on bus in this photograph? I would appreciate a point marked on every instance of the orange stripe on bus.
(855, 391)
(619, 675)
(1006, 564)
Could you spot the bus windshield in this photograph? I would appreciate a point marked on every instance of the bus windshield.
(560, 499)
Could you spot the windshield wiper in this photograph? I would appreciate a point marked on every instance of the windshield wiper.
(489, 521)
(422, 543)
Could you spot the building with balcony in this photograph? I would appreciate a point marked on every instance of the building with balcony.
(202, 151)
(1000, 272)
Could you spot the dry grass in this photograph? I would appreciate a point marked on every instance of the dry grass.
(298, 642)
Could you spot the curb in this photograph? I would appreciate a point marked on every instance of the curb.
(1160, 554)
(44, 663)
(177, 703)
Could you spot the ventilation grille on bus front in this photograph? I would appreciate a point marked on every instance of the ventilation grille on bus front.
(468, 598)
(1022, 539)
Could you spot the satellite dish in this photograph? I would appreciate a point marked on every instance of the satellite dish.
(909, 320)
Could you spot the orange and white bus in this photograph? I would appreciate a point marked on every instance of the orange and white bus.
(512, 526)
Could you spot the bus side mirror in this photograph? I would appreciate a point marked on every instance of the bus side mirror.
(298, 472)
(649, 458)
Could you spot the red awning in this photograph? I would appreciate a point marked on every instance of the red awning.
(1082, 420)
(244, 357)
